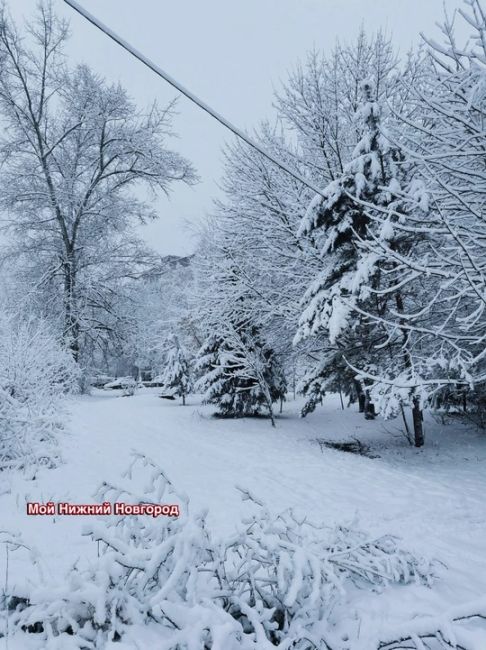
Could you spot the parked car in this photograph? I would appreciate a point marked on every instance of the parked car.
(121, 383)
(99, 381)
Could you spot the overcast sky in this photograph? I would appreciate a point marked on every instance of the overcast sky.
(233, 54)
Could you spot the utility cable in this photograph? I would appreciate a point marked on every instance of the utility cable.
(187, 93)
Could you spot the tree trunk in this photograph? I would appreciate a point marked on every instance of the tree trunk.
(270, 412)
(183, 399)
(361, 396)
(417, 415)
(71, 322)
(268, 400)
(362, 402)
(407, 430)
(341, 397)
(418, 422)
(369, 408)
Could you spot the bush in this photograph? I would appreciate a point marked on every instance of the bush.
(35, 375)
(275, 583)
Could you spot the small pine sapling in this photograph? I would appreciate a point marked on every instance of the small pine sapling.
(177, 375)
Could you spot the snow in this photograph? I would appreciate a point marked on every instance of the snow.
(433, 498)
(382, 275)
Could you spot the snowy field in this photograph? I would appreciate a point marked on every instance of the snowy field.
(342, 250)
(432, 498)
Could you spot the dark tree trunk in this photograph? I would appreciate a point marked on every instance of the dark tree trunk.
(361, 396)
(183, 399)
(362, 402)
(369, 408)
(417, 415)
(418, 423)
(71, 322)
(407, 430)
(270, 412)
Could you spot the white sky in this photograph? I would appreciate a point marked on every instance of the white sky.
(232, 53)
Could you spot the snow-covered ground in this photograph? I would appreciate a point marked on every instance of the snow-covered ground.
(433, 498)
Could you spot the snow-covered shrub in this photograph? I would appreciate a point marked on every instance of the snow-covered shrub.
(455, 629)
(144, 561)
(129, 388)
(287, 575)
(150, 571)
(276, 583)
(462, 402)
(35, 375)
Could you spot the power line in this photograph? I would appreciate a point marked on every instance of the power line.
(187, 93)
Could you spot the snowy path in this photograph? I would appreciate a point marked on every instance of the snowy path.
(434, 498)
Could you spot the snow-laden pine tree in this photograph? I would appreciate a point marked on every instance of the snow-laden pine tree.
(208, 366)
(435, 272)
(352, 295)
(240, 373)
(337, 222)
(177, 373)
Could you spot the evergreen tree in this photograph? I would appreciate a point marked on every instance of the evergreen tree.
(357, 288)
(240, 373)
(177, 375)
(338, 222)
